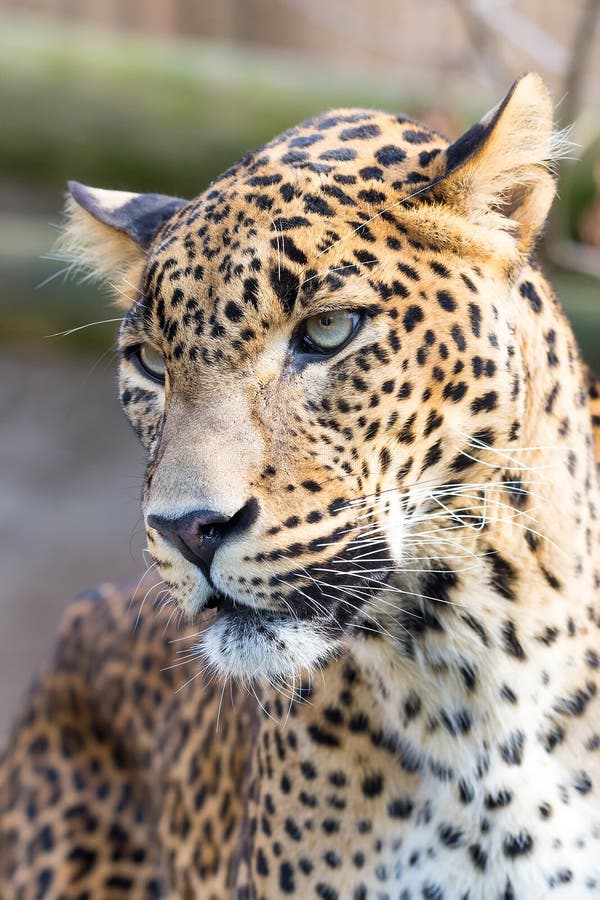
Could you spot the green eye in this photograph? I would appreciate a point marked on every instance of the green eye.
(151, 362)
(329, 331)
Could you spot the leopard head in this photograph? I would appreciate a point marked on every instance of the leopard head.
(309, 350)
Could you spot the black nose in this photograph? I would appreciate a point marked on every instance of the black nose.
(199, 534)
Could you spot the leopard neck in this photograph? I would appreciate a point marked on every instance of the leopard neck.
(492, 657)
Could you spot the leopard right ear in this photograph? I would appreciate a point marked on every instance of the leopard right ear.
(108, 233)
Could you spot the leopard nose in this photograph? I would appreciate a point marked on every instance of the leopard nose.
(199, 534)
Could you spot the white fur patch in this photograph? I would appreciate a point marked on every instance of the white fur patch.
(249, 645)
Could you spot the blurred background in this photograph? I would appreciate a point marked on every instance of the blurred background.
(162, 95)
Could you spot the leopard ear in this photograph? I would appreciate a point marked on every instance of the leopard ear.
(499, 174)
(108, 233)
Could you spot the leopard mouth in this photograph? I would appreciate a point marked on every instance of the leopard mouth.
(220, 602)
(227, 606)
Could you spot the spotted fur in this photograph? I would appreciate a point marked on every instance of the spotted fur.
(387, 685)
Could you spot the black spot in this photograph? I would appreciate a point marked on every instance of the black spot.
(326, 892)
(311, 486)
(509, 891)
(548, 636)
(338, 779)
(44, 881)
(412, 316)
(414, 136)
(510, 640)
(517, 844)
(390, 155)
(358, 723)
(512, 749)
(286, 878)
(426, 156)
(86, 860)
(372, 784)
(439, 269)
(450, 835)
(283, 224)
(315, 204)
(528, 291)
(432, 891)
(575, 704)
(361, 132)
(434, 420)
(262, 866)
(582, 782)
(285, 284)
(371, 196)
(400, 808)
(508, 694)
(503, 575)
(465, 792)
(322, 737)
(468, 676)
(475, 319)
(446, 301)
(412, 706)
(499, 800)
(371, 173)
(459, 338)
(551, 399)
(459, 722)
(289, 248)
(263, 180)
(433, 455)
(340, 154)
(308, 770)
(341, 196)
(438, 584)
(551, 579)
(479, 856)
(455, 391)
(233, 312)
(408, 271)
(486, 403)
(591, 659)
(332, 859)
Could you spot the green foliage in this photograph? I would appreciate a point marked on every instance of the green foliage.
(127, 112)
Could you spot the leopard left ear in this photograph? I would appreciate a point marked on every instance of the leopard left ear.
(499, 174)
(108, 233)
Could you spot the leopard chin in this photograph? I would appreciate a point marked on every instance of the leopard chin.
(258, 644)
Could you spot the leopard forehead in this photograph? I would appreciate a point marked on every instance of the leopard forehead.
(303, 218)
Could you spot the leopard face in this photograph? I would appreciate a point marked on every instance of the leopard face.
(312, 350)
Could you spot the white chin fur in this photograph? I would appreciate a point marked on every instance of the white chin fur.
(250, 646)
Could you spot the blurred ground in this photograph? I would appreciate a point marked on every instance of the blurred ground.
(70, 472)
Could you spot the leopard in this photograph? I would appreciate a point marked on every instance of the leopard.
(364, 660)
